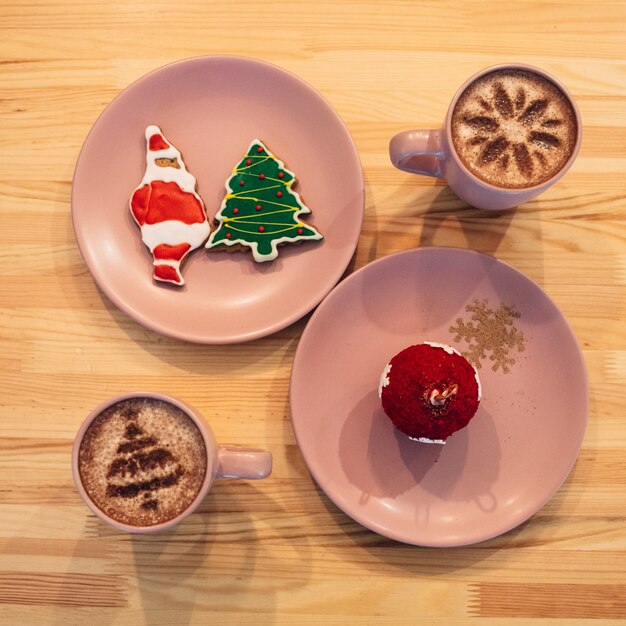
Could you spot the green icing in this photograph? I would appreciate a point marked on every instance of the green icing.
(266, 184)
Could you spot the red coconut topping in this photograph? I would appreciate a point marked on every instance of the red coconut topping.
(424, 371)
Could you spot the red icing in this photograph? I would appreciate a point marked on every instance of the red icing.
(242, 182)
(259, 150)
(249, 162)
(139, 203)
(279, 194)
(167, 273)
(281, 174)
(262, 176)
(415, 373)
(160, 201)
(235, 210)
(258, 207)
(261, 229)
(300, 231)
(174, 253)
(156, 142)
(228, 235)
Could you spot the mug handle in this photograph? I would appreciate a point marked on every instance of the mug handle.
(418, 152)
(248, 463)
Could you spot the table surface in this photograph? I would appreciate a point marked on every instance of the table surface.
(279, 551)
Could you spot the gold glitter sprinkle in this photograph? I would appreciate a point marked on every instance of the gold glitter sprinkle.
(490, 331)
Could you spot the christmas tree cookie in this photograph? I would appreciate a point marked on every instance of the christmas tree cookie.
(260, 210)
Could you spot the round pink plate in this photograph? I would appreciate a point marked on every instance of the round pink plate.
(488, 477)
(211, 108)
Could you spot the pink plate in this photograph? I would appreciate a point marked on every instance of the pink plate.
(490, 476)
(210, 108)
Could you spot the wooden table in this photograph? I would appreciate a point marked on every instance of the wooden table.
(279, 551)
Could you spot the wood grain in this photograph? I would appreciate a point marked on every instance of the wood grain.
(564, 601)
(278, 551)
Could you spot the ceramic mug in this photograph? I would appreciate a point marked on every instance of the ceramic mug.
(432, 153)
(221, 461)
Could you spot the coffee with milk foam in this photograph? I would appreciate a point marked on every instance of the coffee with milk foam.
(142, 461)
(513, 128)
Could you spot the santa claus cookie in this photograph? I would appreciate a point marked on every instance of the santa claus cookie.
(167, 208)
(260, 210)
(429, 391)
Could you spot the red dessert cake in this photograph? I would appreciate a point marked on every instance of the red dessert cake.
(429, 391)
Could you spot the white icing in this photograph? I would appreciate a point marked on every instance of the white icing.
(171, 262)
(253, 245)
(174, 232)
(384, 380)
(185, 180)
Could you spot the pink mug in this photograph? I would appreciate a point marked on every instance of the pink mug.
(433, 152)
(144, 452)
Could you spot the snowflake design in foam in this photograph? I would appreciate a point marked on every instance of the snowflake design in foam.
(497, 128)
(490, 331)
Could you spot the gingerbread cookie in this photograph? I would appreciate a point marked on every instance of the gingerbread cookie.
(260, 210)
(168, 209)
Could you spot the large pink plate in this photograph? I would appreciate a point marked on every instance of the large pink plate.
(210, 108)
(490, 476)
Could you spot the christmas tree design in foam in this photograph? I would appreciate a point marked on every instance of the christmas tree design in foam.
(142, 468)
(261, 210)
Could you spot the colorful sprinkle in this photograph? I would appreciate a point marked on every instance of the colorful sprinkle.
(281, 174)
(235, 210)
(262, 176)
(261, 229)
(279, 194)
(242, 183)
(258, 207)
(249, 162)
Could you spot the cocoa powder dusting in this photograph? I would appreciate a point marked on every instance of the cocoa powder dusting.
(137, 444)
(129, 461)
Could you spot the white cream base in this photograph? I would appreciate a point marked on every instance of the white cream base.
(384, 380)
(426, 440)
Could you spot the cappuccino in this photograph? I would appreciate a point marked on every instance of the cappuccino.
(142, 461)
(513, 128)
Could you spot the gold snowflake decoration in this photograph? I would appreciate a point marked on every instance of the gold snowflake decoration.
(490, 334)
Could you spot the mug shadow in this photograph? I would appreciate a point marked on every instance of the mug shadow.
(212, 561)
(208, 562)
(486, 231)
(433, 215)
(483, 231)
(253, 551)
(164, 562)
